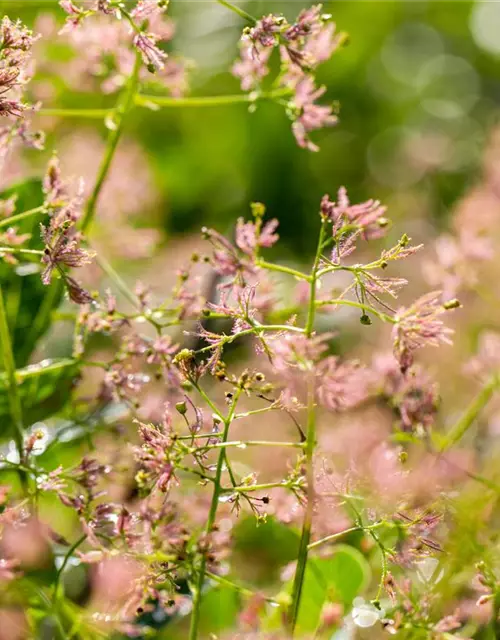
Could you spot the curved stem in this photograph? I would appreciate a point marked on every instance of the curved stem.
(145, 100)
(97, 114)
(114, 137)
(243, 14)
(7, 222)
(29, 252)
(470, 415)
(359, 305)
(197, 588)
(310, 445)
(269, 266)
(14, 399)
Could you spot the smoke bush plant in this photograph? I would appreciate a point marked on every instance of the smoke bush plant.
(158, 551)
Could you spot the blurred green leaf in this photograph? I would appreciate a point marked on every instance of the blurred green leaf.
(219, 609)
(28, 302)
(271, 545)
(44, 389)
(338, 578)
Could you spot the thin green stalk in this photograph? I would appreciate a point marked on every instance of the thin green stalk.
(197, 588)
(252, 488)
(310, 445)
(243, 14)
(9, 364)
(269, 266)
(358, 305)
(232, 585)
(97, 114)
(67, 558)
(470, 415)
(16, 250)
(242, 444)
(122, 110)
(8, 222)
(145, 100)
(118, 280)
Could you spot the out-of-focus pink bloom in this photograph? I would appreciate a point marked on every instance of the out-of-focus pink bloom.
(250, 235)
(342, 385)
(26, 543)
(487, 359)
(418, 326)
(75, 15)
(251, 68)
(311, 116)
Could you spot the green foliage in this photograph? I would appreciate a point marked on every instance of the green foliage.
(28, 302)
(44, 389)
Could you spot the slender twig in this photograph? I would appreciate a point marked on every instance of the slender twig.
(471, 414)
(309, 449)
(252, 488)
(198, 586)
(269, 266)
(93, 114)
(242, 444)
(8, 222)
(358, 305)
(17, 250)
(243, 14)
(146, 100)
(123, 108)
(12, 391)
(245, 591)
(340, 534)
(69, 554)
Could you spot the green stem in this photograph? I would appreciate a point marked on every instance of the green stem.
(13, 391)
(28, 252)
(252, 488)
(335, 536)
(122, 110)
(470, 415)
(8, 222)
(144, 100)
(197, 588)
(232, 585)
(269, 266)
(310, 445)
(117, 280)
(242, 444)
(243, 14)
(359, 305)
(67, 558)
(98, 114)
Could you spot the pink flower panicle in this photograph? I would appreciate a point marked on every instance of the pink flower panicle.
(420, 325)
(302, 46)
(61, 238)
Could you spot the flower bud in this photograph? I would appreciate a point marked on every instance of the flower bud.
(181, 408)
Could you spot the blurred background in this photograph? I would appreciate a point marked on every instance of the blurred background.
(418, 86)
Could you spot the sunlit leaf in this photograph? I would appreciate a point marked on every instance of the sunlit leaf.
(28, 302)
(44, 389)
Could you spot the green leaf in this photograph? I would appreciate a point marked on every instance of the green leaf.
(338, 578)
(269, 546)
(28, 302)
(44, 389)
(218, 610)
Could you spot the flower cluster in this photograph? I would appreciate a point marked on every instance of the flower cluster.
(61, 238)
(303, 46)
(16, 43)
(236, 400)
